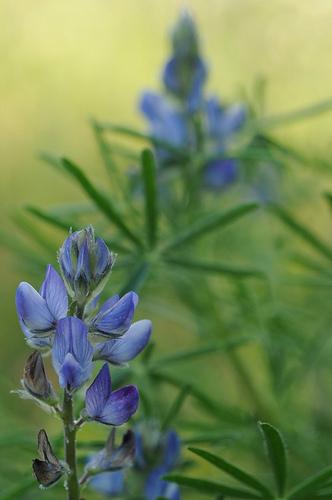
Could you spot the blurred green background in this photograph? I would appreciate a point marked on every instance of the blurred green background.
(62, 62)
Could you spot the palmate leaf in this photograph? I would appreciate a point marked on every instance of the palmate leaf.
(276, 451)
(307, 488)
(234, 471)
(101, 201)
(215, 268)
(208, 224)
(302, 231)
(137, 278)
(150, 191)
(212, 487)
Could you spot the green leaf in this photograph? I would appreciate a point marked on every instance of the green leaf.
(129, 132)
(212, 487)
(176, 406)
(215, 267)
(302, 231)
(276, 450)
(189, 354)
(101, 201)
(150, 190)
(215, 408)
(208, 224)
(51, 219)
(328, 197)
(310, 485)
(137, 278)
(19, 489)
(233, 471)
(294, 116)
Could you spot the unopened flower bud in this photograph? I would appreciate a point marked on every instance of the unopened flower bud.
(85, 263)
(35, 380)
(184, 36)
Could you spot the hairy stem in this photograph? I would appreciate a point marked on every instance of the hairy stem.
(70, 447)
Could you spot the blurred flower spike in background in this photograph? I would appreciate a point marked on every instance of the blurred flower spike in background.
(184, 118)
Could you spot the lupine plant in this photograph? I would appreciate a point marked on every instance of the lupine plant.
(195, 218)
(64, 319)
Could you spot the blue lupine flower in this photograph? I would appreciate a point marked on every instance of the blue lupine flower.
(111, 458)
(185, 72)
(108, 483)
(223, 122)
(218, 174)
(38, 313)
(115, 315)
(185, 78)
(72, 353)
(85, 263)
(167, 123)
(120, 351)
(107, 406)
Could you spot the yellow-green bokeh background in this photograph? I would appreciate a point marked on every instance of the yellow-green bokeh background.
(63, 61)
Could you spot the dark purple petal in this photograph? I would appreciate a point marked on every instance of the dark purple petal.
(120, 406)
(53, 290)
(128, 346)
(32, 309)
(118, 318)
(108, 483)
(219, 174)
(172, 449)
(98, 393)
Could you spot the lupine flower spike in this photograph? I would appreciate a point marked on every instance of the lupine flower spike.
(77, 334)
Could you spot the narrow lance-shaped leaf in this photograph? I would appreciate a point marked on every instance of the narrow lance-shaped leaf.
(129, 132)
(208, 224)
(137, 278)
(277, 454)
(302, 231)
(150, 192)
(311, 485)
(176, 406)
(101, 201)
(294, 116)
(59, 223)
(215, 267)
(212, 487)
(234, 471)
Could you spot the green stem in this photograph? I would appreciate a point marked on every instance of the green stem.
(73, 491)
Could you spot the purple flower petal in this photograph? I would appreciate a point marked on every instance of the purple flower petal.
(219, 174)
(32, 309)
(108, 483)
(103, 257)
(53, 290)
(111, 408)
(71, 338)
(109, 303)
(98, 393)
(117, 319)
(127, 347)
(120, 406)
(83, 262)
(157, 487)
(172, 449)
